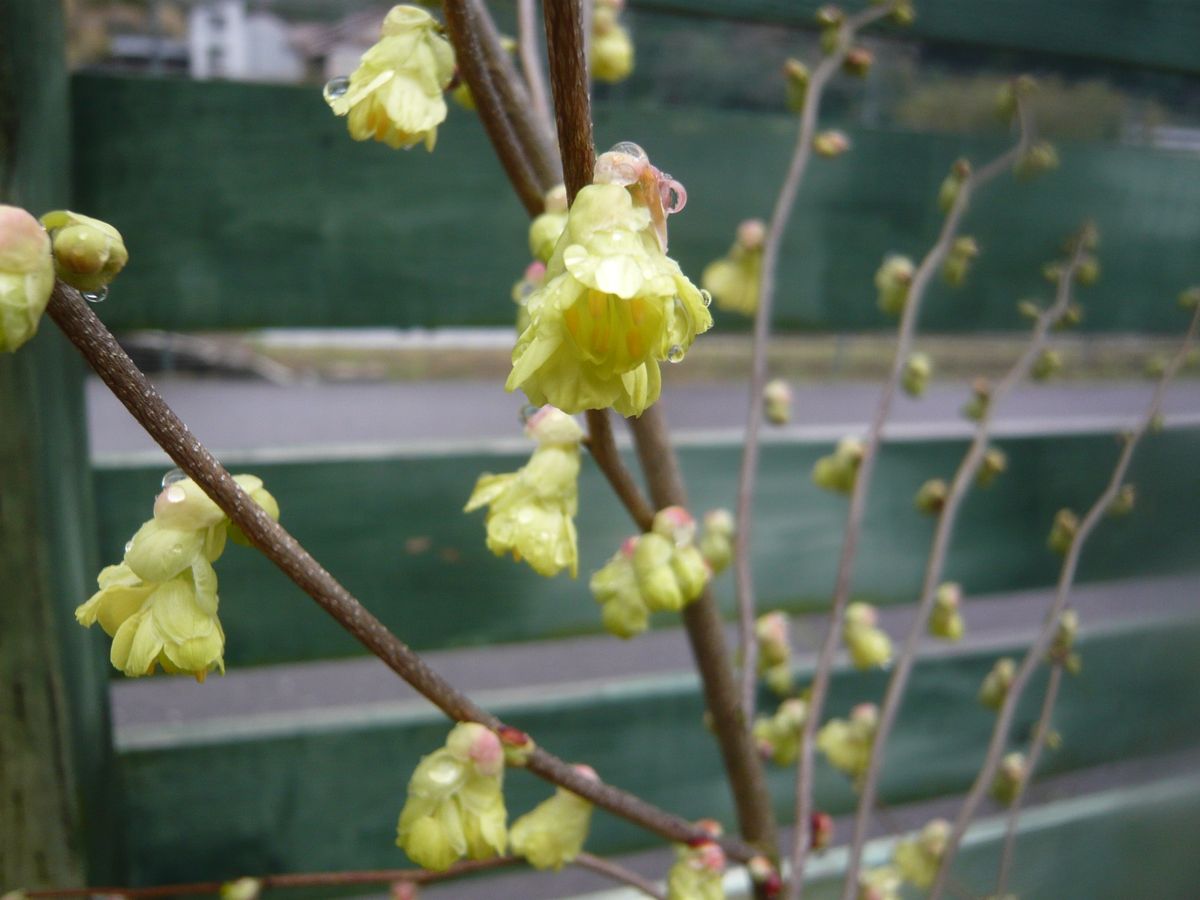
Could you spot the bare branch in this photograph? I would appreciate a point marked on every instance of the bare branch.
(1040, 734)
(858, 498)
(1004, 719)
(940, 547)
(603, 447)
(572, 99)
(780, 216)
(616, 872)
(102, 352)
(531, 62)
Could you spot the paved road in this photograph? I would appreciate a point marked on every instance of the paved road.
(241, 415)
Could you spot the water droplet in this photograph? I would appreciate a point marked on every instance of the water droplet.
(630, 148)
(96, 296)
(173, 477)
(675, 354)
(706, 297)
(445, 772)
(336, 87)
(176, 494)
(528, 411)
(128, 546)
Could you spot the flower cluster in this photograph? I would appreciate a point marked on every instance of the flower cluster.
(734, 279)
(612, 50)
(918, 858)
(773, 633)
(26, 276)
(868, 644)
(847, 743)
(395, 94)
(553, 833)
(699, 870)
(660, 571)
(838, 471)
(716, 539)
(88, 253)
(778, 737)
(996, 683)
(159, 604)
(531, 512)
(613, 305)
(455, 804)
(946, 621)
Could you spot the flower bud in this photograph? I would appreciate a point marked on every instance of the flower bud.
(518, 746)
(698, 872)
(919, 858)
(553, 833)
(241, 889)
(868, 645)
(893, 281)
(1029, 309)
(993, 464)
(1088, 271)
(1123, 503)
(953, 183)
(958, 261)
(882, 883)
(820, 830)
(996, 683)
(847, 744)
(917, 370)
(796, 78)
(612, 49)
(777, 401)
(1063, 531)
(773, 632)
(691, 572)
(764, 874)
(831, 144)
(26, 276)
(1071, 317)
(1064, 637)
(858, 62)
(1190, 299)
(838, 471)
(830, 16)
(547, 228)
(1048, 364)
(1037, 160)
(478, 746)
(1010, 92)
(1010, 779)
(778, 736)
(945, 621)
(904, 13)
(615, 587)
(656, 580)
(981, 400)
(716, 540)
(88, 253)
(931, 496)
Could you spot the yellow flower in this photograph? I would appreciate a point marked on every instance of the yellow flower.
(716, 541)
(26, 276)
(946, 620)
(869, 646)
(531, 512)
(698, 873)
(612, 307)
(918, 858)
(547, 228)
(553, 833)
(455, 805)
(612, 50)
(88, 253)
(883, 883)
(615, 587)
(734, 279)
(847, 743)
(778, 736)
(395, 94)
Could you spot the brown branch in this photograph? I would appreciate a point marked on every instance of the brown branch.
(295, 880)
(858, 498)
(780, 216)
(1040, 734)
(603, 447)
(101, 350)
(1008, 710)
(616, 872)
(939, 549)
(473, 65)
(531, 63)
(569, 84)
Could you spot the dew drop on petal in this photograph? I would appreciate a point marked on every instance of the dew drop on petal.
(706, 297)
(336, 87)
(528, 411)
(128, 546)
(675, 354)
(173, 477)
(176, 494)
(630, 148)
(96, 296)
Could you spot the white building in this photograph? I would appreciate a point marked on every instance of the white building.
(225, 40)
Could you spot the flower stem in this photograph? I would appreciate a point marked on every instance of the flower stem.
(616, 872)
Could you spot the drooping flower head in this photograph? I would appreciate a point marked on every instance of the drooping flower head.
(613, 305)
(531, 512)
(847, 743)
(612, 49)
(26, 276)
(455, 804)
(698, 872)
(868, 644)
(553, 833)
(734, 279)
(88, 253)
(778, 737)
(395, 94)
(918, 858)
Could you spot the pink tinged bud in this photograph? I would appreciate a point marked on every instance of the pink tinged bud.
(586, 771)
(624, 164)
(535, 272)
(711, 827)
(751, 234)
(866, 713)
(820, 830)
(711, 858)
(403, 890)
(831, 144)
(629, 545)
(676, 524)
(487, 754)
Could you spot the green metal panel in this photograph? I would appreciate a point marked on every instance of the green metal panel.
(306, 795)
(1152, 33)
(56, 793)
(246, 206)
(358, 517)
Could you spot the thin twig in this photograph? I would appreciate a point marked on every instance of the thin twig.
(603, 447)
(1004, 719)
(295, 880)
(102, 352)
(610, 869)
(702, 619)
(1040, 734)
(780, 216)
(935, 566)
(531, 62)
(858, 498)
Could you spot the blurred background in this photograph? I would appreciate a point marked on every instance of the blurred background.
(336, 318)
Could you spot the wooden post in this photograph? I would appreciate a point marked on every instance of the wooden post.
(56, 780)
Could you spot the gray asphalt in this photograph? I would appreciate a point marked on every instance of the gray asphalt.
(242, 415)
